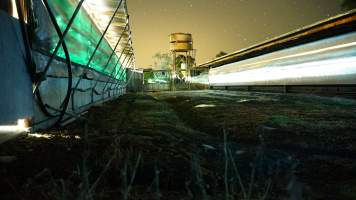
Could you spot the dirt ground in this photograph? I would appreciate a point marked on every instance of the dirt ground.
(191, 145)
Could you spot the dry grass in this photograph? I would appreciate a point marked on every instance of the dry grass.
(161, 146)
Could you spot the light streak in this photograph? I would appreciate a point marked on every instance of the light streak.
(316, 69)
(295, 56)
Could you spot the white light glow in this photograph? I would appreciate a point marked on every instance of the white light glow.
(320, 69)
(308, 53)
(36, 135)
(205, 106)
(22, 123)
(243, 100)
(20, 127)
(14, 128)
(50, 136)
(14, 9)
(101, 12)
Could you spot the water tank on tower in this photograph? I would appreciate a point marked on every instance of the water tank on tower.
(181, 46)
(181, 42)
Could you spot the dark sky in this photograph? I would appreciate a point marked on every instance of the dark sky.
(219, 25)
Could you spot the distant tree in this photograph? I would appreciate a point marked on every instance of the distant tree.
(162, 61)
(348, 4)
(221, 53)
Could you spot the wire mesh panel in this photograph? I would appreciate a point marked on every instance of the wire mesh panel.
(82, 39)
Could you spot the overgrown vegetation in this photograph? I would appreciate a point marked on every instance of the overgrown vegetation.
(191, 145)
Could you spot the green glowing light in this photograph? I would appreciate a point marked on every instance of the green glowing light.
(82, 38)
(156, 77)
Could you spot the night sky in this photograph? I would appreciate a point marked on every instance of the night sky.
(219, 25)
